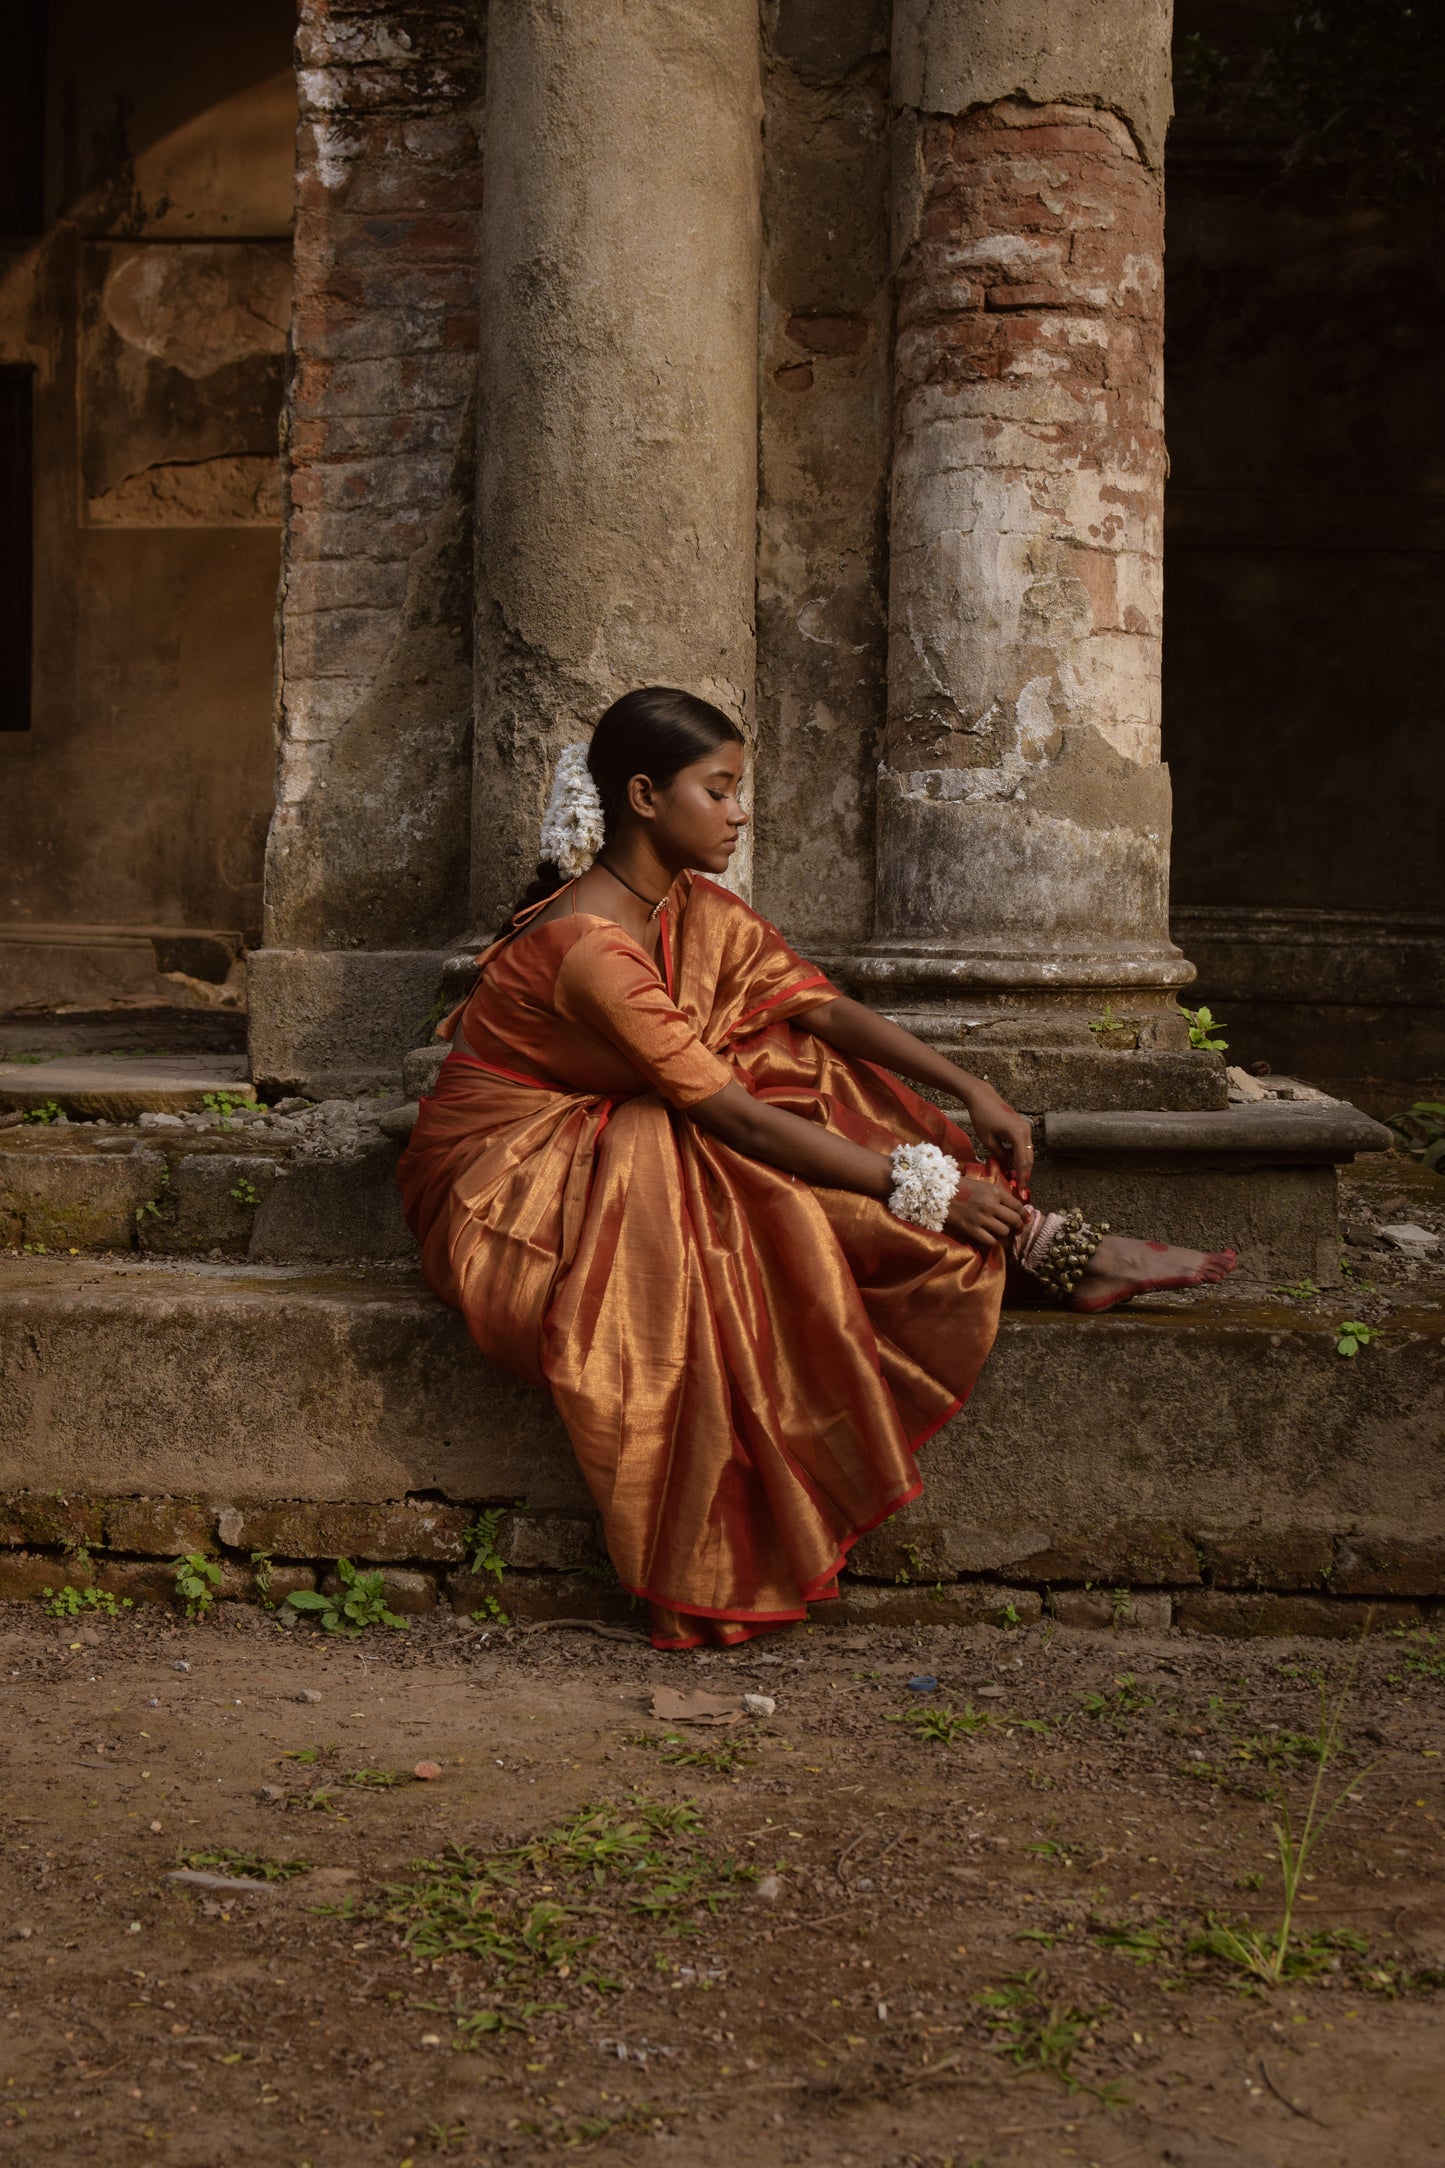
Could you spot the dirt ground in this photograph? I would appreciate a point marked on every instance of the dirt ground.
(790, 1971)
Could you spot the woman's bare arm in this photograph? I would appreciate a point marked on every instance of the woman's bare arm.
(867, 1036)
(982, 1212)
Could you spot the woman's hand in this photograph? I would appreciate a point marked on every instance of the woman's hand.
(983, 1212)
(1002, 1134)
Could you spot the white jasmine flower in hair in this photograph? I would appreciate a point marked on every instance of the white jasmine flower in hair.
(572, 826)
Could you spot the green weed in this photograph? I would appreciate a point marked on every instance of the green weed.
(1128, 1699)
(197, 1579)
(1352, 1336)
(377, 1780)
(253, 1865)
(49, 1110)
(940, 1727)
(481, 1539)
(679, 1753)
(1423, 1659)
(1302, 1290)
(245, 1191)
(1203, 1030)
(359, 1603)
(69, 1602)
(529, 1916)
(1038, 2034)
(1268, 1957)
(1055, 1851)
(225, 1105)
(1146, 1945)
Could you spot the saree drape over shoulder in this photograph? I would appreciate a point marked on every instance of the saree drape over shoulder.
(745, 1365)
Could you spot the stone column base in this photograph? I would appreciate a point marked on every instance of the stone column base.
(335, 1022)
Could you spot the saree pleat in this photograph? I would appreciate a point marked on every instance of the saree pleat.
(745, 1365)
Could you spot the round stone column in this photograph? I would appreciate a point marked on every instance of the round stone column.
(1023, 813)
(617, 497)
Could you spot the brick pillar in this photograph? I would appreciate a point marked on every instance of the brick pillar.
(617, 496)
(1023, 813)
(367, 861)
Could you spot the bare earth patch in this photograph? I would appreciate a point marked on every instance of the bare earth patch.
(884, 1925)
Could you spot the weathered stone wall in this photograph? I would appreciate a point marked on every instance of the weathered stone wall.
(368, 847)
(823, 394)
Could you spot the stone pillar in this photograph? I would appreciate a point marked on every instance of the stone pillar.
(1023, 813)
(617, 494)
(366, 864)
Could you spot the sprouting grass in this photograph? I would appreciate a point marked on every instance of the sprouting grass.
(1037, 2033)
(941, 1727)
(530, 1917)
(1055, 1851)
(1128, 1699)
(1146, 1944)
(1267, 1957)
(725, 1759)
(377, 1780)
(1423, 1658)
(253, 1865)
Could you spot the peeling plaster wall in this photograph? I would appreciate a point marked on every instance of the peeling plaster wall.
(823, 392)
(152, 313)
(1022, 810)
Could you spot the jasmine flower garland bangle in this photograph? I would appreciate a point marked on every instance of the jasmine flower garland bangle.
(925, 1183)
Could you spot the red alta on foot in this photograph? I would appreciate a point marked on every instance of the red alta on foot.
(1105, 1291)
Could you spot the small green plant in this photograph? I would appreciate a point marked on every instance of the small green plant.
(49, 1110)
(1108, 1021)
(225, 1106)
(1121, 1603)
(149, 1210)
(1421, 1129)
(197, 1579)
(1300, 1290)
(1128, 1699)
(1055, 1851)
(1011, 1615)
(912, 1567)
(33, 1249)
(1352, 1336)
(1270, 1956)
(940, 1727)
(261, 1564)
(1145, 1945)
(1423, 1659)
(1203, 1030)
(679, 1753)
(253, 1865)
(357, 1604)
(69, 1602)
(481, 1539)
(1349, 1270)
(1039, 2034)
(377, 1780)
(25, 1061)
(245, 1191)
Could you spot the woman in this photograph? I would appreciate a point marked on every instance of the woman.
(670, 1173)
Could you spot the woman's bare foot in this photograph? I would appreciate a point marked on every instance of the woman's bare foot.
(1121, 1267)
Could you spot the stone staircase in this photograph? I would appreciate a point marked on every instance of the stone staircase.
(210, 1317)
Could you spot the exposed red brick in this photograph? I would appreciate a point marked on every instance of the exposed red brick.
(370, 1532)
(24, 1574)
(545, 1595)
(951, 1603)
(1112, 1611)
(829, 334)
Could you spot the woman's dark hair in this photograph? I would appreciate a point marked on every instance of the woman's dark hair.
(656, 731)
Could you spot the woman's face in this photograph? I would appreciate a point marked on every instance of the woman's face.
(696, 819)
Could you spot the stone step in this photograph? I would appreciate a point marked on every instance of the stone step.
(234, 1187)
(119, 1087)
(1215, 1448)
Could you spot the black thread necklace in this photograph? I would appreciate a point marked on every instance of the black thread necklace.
(653, 908)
